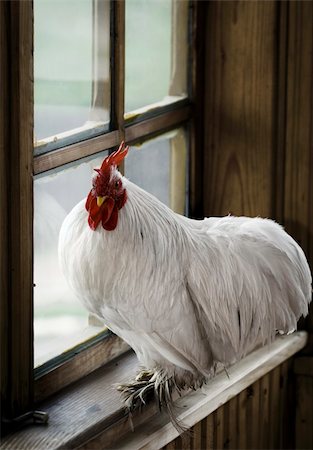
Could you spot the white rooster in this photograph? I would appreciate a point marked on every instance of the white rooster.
(185, 294)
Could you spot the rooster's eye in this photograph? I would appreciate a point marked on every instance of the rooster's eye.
(117, 184)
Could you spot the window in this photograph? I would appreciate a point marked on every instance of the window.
(105, 81)
(60, 321)
(71, 71)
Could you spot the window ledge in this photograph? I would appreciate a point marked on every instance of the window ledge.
(89, 415)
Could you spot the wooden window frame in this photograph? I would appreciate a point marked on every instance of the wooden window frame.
(19, 392)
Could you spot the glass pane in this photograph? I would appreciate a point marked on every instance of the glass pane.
(60, 322)
(159, 167)
(71, 69)
(156, 51)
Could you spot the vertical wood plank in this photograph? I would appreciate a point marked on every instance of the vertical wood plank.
(197, 87)
(299, 120)
(226, 426)
(4, 99)
(298, 205)
(274, 408)
(240, 83)
(264, 411)
(304, 412)
(284, 406)
(196, 431)
(209, 433)
(118, 68)
(233, 423)
(20, 205)
(118, 71)
(253, 408)
(219, 428)
(291, 402)
(280, 122)
(242, 420)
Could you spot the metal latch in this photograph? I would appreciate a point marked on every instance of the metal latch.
(34, 417)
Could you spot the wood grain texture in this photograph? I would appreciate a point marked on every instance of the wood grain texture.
(240, 82)
(304, 412)
(304, 416)
(264, 411)
(219, 429)
(80, 365)
(242, 419)
(303, 369)
(135, 132)
(209, 400)
(163, 122)
(197, 87)
(94, 401)
(280, 101)
(259, 121)
(257, 418)
(232, 435)
(299, 121)
(303, 365)
(209, 432)
(88, 414)
(287, 406)
(298, 199)
(118, 68)
(20, 150)
(226, 419)
(74, 152)
(4, 108)
(252, 416)
(274, 409)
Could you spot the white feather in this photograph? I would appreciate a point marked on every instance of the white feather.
(186, 294)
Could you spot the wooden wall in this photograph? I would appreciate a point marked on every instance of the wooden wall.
(258, 160)
(239, 108)
(255, 419)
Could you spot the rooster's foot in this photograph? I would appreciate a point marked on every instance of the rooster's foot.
(139, 391)
(148, 386)
(144, 375)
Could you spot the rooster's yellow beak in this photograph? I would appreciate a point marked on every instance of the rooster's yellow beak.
(100, 200)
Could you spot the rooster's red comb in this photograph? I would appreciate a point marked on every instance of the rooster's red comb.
(115, 158)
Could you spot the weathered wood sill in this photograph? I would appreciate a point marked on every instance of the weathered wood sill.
(88, 415)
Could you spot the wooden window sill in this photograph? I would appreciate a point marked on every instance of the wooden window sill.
(89, 415)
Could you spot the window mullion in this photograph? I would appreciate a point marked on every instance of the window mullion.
(118, 66)
(196, 89)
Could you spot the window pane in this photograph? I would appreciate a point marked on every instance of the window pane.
(71, 67)
(159, 167)
(60, 322)
(156, 51)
